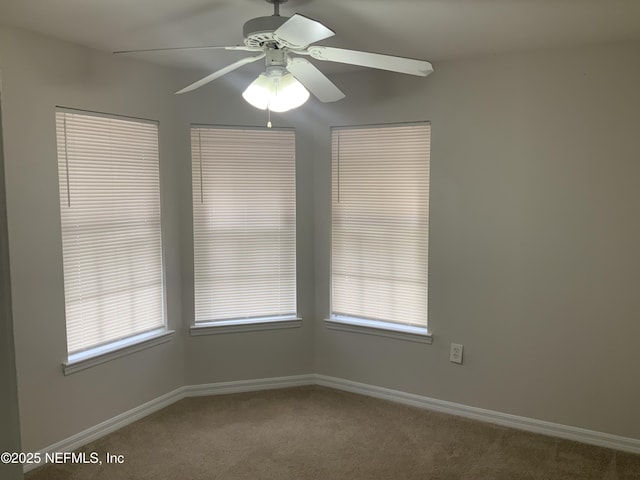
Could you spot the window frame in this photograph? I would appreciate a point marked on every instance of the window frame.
(354, 324)
(104, 352)
(253, 324)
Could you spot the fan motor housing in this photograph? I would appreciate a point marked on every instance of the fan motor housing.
(258, 31)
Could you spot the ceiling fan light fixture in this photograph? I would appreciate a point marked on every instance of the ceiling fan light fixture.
(276, 91)
(284, 84)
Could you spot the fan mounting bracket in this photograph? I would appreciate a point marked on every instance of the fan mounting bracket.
(276, 6)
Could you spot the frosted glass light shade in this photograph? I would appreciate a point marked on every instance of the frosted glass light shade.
(278, 93)
(259, 92)
(289, 94)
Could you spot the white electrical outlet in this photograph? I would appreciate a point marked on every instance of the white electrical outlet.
(455, 355)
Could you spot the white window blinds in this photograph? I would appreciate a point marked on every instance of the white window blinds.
(244, 222)
(380, 203)
(110, 206)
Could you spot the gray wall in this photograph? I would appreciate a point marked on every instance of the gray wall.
(38, 74)
(534, 235)
(249, 355)
(10, 431)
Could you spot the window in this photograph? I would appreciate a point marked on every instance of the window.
(379, 241)
(108, 170)
(244, 222)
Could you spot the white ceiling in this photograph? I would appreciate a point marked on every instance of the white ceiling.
(429, 29)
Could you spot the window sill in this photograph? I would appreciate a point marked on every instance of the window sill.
(121, 348)
(244, 325)
(382, 329)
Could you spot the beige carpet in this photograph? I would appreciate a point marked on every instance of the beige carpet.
(320, 433)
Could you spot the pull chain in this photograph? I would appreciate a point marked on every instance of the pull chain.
(268, 117)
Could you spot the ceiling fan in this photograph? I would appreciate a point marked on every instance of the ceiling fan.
(289, 77)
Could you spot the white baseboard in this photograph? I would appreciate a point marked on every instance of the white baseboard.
(78, 440)
(94, 433)
(98, 431)
(249, 385)
(591, 437)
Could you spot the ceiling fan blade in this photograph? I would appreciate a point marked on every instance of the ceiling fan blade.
(373, 60)
(314, 80)
(300, 31)
(205, 47)
(219, 73)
